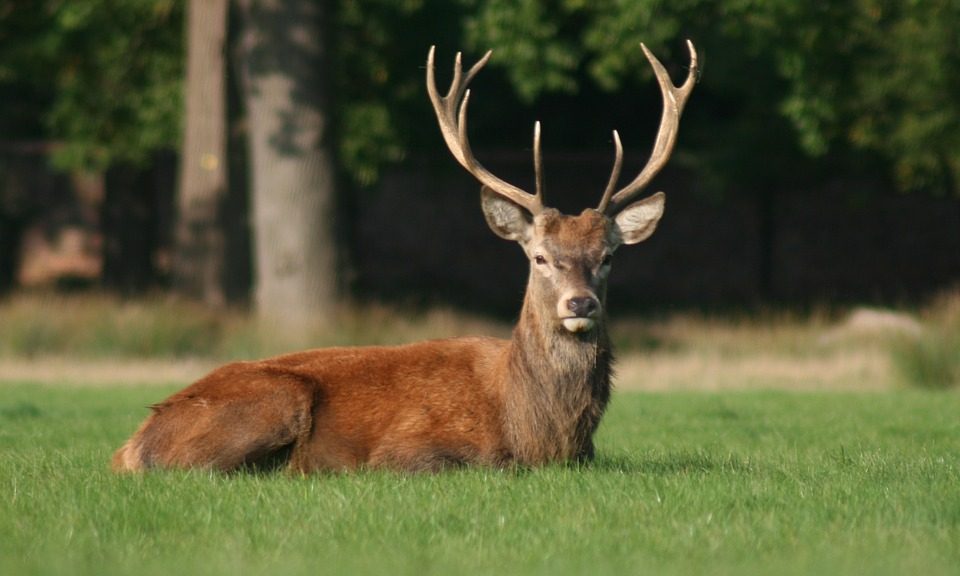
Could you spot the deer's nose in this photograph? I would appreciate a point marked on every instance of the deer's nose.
(583, 306)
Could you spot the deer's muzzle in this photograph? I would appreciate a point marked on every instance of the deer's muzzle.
(578, 313)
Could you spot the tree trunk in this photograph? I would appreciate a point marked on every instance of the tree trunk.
(283, 60)
(198, 268)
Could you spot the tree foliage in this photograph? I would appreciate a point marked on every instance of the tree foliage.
(111, 70)
(879, 76)
(372, 87)
(875, 78)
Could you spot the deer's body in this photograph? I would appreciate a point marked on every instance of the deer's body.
(417, 407)
(412, 407)
(530, 400)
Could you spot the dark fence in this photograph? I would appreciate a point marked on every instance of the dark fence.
(422, 235)
(419, 237)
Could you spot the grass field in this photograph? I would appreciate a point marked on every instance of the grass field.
(685, 483)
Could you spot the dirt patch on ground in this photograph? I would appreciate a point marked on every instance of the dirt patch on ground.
(862, 370)
(701, 370)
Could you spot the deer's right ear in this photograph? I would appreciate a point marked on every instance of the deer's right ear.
(507, 219)
(638, 220)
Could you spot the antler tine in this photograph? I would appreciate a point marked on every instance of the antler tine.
(614, 175)
(674, 99)
(538, 160)
(453, 126)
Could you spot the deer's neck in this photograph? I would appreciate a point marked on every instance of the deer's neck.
(557, 387)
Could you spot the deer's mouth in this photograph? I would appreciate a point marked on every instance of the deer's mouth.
(578, 324)
(578, 312)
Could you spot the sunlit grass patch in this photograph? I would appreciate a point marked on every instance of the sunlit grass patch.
(728, 483)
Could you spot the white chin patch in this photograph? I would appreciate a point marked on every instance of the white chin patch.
(578, 324)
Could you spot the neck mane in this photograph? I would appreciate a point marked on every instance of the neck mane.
(557, 387)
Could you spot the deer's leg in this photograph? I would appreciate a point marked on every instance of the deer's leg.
(224, 422)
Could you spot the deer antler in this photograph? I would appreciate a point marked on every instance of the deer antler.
(453, 125)
(674, 98)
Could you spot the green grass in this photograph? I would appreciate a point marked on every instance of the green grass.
(730, 483)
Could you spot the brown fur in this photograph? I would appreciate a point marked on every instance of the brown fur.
(533, 399)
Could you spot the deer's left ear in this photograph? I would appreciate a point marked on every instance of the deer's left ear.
(507, 219)
(638, 220)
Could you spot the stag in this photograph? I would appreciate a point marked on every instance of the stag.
(530, 400)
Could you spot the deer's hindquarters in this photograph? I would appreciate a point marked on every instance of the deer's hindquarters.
(238, 416)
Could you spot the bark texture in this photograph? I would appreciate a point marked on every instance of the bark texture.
(282, 61)
(200, 243)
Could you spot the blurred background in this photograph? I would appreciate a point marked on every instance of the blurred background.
(184, 177)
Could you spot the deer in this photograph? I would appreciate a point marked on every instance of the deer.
(530, 400)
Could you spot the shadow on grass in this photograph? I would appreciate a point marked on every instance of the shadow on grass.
(650, 464)
(671, 464)
(19, 411)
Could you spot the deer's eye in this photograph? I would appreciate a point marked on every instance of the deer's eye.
(539, 259)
